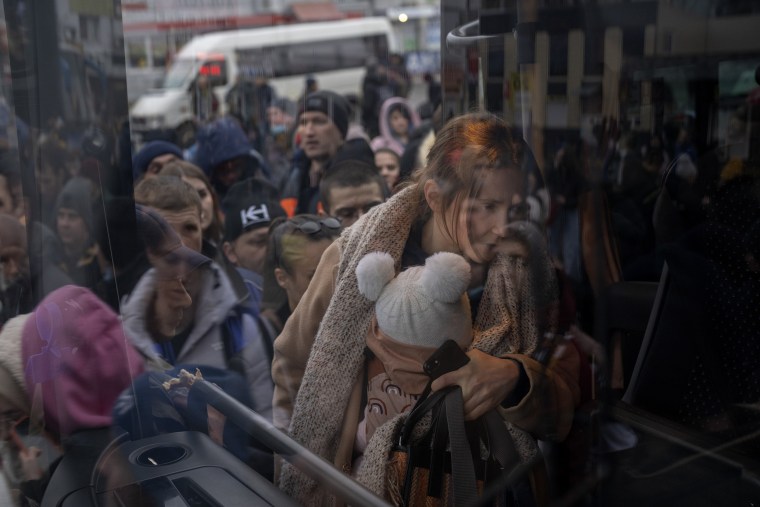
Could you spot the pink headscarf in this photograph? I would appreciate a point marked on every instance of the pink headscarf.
(76, 360)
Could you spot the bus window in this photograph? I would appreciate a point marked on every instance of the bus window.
(180, 73)
(324, 56)
(313, 57)
(258, 62)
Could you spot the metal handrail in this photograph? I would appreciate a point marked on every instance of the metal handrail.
(462, 36)
(265, 432)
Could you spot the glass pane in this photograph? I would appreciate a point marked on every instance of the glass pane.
(169, 196)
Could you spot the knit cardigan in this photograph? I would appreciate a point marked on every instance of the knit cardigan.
(516, 294)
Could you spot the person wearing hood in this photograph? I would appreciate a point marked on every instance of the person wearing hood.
(78, 256)
(397, 121)
(226, 156)
(322, 128)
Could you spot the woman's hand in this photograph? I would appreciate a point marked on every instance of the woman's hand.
(485, 381)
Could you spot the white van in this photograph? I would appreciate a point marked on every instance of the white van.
(335, 53)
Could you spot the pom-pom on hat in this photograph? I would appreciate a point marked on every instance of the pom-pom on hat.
(422, 306)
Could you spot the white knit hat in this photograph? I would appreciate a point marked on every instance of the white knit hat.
(424, 305)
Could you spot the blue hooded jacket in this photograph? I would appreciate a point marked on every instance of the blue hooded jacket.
(223, 140)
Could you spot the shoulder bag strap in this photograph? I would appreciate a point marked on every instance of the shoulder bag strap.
(464, 484)
(422, 407)
(500, 444)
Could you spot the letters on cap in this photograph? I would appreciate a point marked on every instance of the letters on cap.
(254, 215)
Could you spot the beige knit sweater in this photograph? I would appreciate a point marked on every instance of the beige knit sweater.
(507, 322)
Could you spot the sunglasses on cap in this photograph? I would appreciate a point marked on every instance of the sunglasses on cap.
(308, 227)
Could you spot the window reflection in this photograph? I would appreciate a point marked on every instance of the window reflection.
(640, 123)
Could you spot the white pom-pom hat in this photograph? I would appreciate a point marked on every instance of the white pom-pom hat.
(424, 305)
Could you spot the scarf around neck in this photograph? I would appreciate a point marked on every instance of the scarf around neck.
(337, 355)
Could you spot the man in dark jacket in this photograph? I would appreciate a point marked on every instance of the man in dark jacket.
(226, 155)
(250, 207)
(322, 128)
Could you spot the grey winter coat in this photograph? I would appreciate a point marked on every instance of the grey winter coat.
(205, 344)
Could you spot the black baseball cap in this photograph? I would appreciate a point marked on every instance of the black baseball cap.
(250, 204)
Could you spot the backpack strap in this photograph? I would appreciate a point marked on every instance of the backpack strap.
(268, 335)
(235, 340)
(233, 336)
(166, 351)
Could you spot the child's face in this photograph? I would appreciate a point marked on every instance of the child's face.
(399, 123)
(387, 164)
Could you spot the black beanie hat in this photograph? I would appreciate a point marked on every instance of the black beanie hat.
(331, 104)
(77, 195)
(151, 150)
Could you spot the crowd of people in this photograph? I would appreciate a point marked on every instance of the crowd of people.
(241, 253)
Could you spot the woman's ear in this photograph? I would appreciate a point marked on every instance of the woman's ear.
(432, 195)
(281, 276)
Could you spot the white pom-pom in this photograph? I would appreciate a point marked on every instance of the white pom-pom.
(445, 277)
(373, 273)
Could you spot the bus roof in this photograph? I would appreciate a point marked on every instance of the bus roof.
(227, 41)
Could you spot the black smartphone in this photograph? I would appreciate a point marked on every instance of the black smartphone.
(448, 357)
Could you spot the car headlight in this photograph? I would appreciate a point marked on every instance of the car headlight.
(154, 122)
